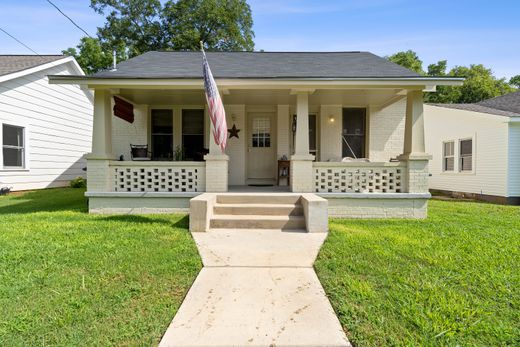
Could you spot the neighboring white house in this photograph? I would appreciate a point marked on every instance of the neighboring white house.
(311, 108)
(476, 148)
(45, 130)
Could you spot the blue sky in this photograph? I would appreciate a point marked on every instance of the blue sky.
(463, 32)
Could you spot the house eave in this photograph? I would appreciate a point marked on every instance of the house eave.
(425, 83)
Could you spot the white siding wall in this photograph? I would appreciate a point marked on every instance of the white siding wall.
(514, 160)
(386, 131)
(58, 122)
(489, 135)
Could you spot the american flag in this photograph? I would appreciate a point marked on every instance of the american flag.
(215, 106)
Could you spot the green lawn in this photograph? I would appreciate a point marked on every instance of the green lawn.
(72, 279)
(453, 279)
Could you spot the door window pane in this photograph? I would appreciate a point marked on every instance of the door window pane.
(162, 134)
(261, 132)
(354, 132)
(193, 134)
(13, 146)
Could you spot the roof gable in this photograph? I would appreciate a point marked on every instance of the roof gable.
(15, 63)
(259, 65)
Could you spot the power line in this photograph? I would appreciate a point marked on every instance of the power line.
(20, 42)
(70, 19)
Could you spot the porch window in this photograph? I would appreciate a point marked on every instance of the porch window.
(261, 134)
(312, 135)
(354, 132)
(466, 155)
(448, 156)
(13, 146)
(193, 134)
(162, 134)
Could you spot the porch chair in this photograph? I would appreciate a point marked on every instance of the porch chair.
(140, 152)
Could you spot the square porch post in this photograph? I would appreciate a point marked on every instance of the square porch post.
(302, 180)
(414, 148)
(99, 178)
(216, 164)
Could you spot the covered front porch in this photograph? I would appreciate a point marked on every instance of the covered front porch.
(361, 148)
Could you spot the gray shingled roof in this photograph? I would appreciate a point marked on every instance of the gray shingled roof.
(15, 63)
(506, 105)
(259, 65)
(509, 102)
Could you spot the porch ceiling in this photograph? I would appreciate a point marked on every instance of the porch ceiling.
(354, 97)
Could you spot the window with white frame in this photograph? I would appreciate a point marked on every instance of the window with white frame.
(261, 132)
(466, 155)
(448, 156)
(13, 146)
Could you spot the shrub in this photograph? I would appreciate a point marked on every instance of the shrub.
(78, 182)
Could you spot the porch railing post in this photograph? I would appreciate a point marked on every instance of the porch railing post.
(99, 177)
(302, 179)
(414, 148)
(216, 166)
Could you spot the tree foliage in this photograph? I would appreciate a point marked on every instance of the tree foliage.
(515, 81)
(134, 27)
(479, 83)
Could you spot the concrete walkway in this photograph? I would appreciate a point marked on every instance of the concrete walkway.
(257, 288)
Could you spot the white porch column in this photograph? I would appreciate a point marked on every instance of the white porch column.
(99, 178)
(216, 164)
(302, 179)
(414, 148)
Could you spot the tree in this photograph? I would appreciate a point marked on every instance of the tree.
(136, 27)
(223, 25)
(515, 81)
(409, 60)
(91, 57)
(479, 83)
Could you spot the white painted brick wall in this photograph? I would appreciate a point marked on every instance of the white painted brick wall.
(216, 173)
(99, 177)
(386, 131)
(302, 180)
(124, 133)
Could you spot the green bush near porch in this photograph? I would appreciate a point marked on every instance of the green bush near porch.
(72, 279)
(453, 279)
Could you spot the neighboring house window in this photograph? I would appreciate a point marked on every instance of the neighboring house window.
(193, 134)
(466, 155)
(162, 134)
(448, 156)
(261, 134)
(354, 132)
(13, 146)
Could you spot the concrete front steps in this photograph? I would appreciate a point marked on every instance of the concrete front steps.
(258, 211)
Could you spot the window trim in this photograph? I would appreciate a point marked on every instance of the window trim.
(454, 156)
(26, 146)
(459, 156)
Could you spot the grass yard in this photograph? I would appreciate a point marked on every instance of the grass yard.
(72, 279)
(453, 279)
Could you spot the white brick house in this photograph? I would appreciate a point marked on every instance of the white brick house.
(312, 108)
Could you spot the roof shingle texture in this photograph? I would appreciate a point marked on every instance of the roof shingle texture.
(15, 63)
(259, 65)
(506, 105)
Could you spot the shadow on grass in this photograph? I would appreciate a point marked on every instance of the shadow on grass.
(45, 200)
(142, 219)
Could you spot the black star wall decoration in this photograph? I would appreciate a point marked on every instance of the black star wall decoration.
(233, 132)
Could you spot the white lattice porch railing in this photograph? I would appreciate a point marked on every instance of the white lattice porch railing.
(356, 177)
(158, 176)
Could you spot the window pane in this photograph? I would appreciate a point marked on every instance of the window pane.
(261, 132)
(193, 122)
(466, 147)
(312, 132)
(13, 157)
(353, 131)
(12, 135)
(162, 122)
(449, 164)
(466, 163)
(449, 148)
(194, 147)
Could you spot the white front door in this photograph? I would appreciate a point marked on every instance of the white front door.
(261, 167)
